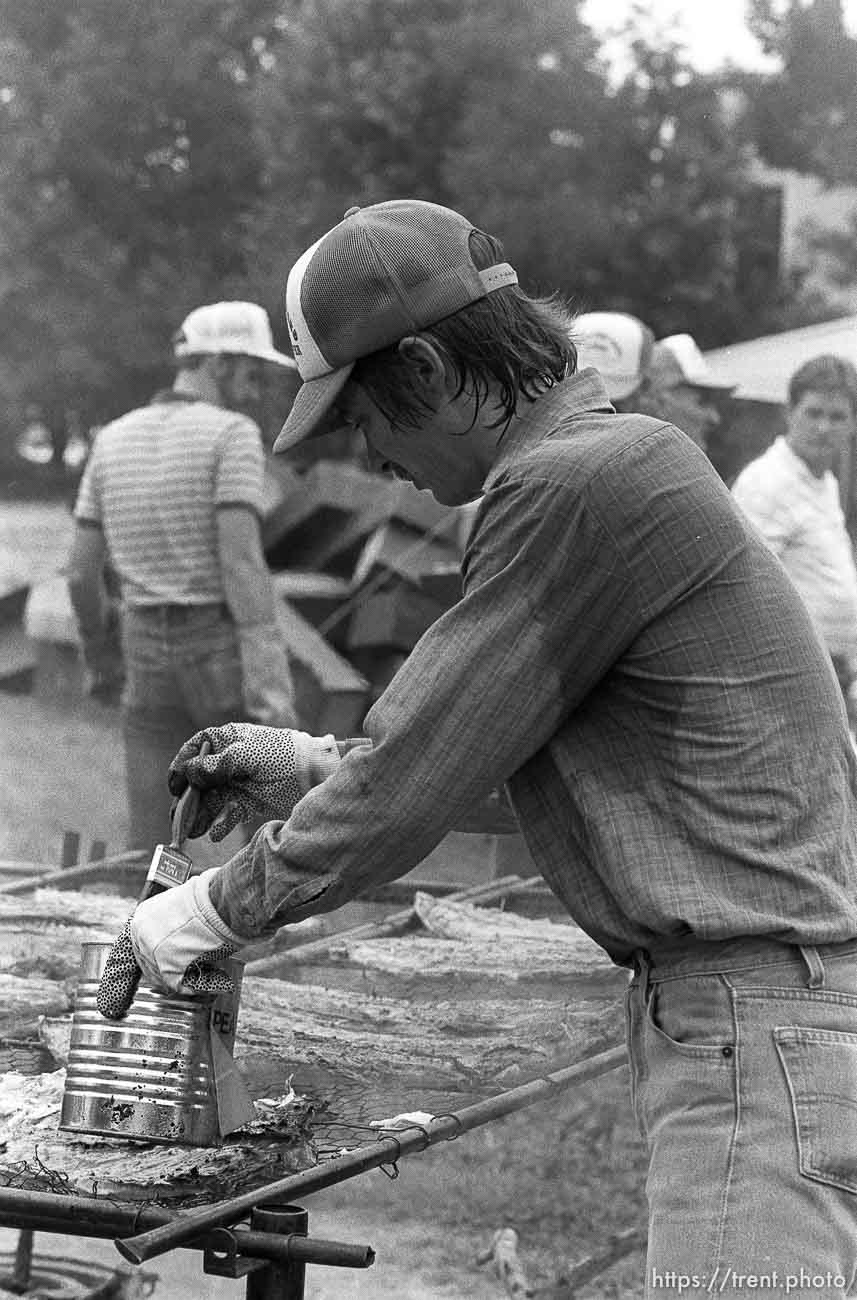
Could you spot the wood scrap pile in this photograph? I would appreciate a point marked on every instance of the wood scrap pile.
(363, 563)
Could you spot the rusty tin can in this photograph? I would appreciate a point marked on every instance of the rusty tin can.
(150, 1075)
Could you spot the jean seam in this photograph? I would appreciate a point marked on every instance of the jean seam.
(736, 1127)
(783, 993)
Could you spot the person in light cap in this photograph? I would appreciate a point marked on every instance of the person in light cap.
(619, 346)
(681, 387)
(170, 499)
(631, 664)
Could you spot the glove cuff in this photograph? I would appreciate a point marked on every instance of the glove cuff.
(208, 912)
(316, 758)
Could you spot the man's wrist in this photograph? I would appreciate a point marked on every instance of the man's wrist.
(316, 758)
(208, 910)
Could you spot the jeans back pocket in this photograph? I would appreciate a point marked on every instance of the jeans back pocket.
(820, 1066)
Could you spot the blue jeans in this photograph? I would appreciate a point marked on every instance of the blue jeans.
(744, 1084)
(183, 672)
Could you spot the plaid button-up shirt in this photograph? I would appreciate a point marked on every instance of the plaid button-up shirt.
(633, 664)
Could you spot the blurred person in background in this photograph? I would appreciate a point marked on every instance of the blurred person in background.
(170, 500)
(792, 496)
(681, 387)
(35, 442)
(619, 346)
(632, 664)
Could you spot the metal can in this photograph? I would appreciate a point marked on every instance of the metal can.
(150, 1075)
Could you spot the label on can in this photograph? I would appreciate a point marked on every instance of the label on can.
(169, 867)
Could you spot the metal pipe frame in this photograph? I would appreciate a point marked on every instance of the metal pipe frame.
(89, 1216)
(144, 1232)
(387, 1150)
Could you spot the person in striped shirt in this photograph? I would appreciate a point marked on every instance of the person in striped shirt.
(170, 500)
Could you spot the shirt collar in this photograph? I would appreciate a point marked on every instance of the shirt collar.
(580, 393)
(800, 466)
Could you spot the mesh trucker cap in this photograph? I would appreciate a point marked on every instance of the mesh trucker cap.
(384, 272)
(678, 360)
(242, 328)
(618, 345)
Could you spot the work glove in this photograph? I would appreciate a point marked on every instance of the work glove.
(250, 772)
(266, 675)
(173, 940)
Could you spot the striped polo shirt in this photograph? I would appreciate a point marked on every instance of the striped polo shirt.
(153, 482)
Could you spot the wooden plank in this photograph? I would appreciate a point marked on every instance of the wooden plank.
(396, 923)
(132, 863)
(334, 673)
(397, 617)
(331, 695)
(404, 551)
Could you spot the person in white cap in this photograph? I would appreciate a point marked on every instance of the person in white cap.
(170, 499)
(632, 664)
(619, 346)
(681, 387)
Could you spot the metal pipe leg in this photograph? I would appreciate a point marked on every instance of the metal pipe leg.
(279, 1281)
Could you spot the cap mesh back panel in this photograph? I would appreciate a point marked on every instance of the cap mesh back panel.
(356, 297)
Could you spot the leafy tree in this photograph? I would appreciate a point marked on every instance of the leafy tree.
(162, 153)
(805, 116)
(128, 149)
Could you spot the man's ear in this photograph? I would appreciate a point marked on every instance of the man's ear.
(427, 363)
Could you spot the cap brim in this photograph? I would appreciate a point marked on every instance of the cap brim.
(314, 399)
(712, 385)
(279, 359)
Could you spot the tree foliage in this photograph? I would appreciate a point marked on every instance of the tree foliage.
(805, 117)
(162, 153)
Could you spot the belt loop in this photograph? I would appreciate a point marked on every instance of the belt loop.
(642, 966)
(814, 965)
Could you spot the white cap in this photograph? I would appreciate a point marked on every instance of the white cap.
(618, 345)
(679, 359)
(241, 328)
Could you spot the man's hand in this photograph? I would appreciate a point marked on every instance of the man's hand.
(251, 771)
(175, 942)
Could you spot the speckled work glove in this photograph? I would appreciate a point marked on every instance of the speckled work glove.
(251, 771)
(175, 941)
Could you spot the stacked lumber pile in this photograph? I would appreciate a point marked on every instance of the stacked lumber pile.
(367, 562)
(474, 1002)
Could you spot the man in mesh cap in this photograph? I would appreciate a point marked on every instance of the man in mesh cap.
(170, 499)
(617, 664)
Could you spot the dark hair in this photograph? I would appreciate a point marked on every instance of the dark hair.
(522, 344)
(824, 374)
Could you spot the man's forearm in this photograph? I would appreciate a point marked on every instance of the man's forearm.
(89, 609)
(247, 585)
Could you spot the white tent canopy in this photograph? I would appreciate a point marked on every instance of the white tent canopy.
(762, 367)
